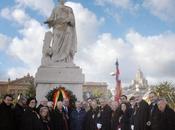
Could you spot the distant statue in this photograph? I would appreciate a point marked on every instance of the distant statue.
(64, 39)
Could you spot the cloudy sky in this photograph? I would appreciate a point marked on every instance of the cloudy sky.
(140, 33)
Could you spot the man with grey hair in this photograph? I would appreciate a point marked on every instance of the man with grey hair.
(167, 118)
(43, 103)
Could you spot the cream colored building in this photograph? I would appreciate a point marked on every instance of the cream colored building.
(16, 86)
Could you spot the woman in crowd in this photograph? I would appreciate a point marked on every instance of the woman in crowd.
(124, 117)
(45, 119)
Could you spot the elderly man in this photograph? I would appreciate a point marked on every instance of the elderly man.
(167, 118)
(43, 103)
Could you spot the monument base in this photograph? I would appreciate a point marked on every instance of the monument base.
(48, 78)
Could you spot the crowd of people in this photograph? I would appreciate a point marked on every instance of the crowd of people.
(132, 114)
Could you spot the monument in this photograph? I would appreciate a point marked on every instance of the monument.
(59, 48)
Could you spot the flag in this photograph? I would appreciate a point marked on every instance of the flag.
(117, 70)
(118, 89)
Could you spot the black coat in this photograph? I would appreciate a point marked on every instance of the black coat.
(67, 114)
(115, 119)
(167, 119)
(91, 119)
(124, 120)
(59, 120)
(6, 117)
(141, 116)
(105, 117)
(18, 113)
(31, 120)
(154, 117)
(77, 119)
(46, 124)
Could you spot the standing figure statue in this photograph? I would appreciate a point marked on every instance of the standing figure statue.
(64, 39)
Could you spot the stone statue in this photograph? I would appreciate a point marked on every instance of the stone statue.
(63, 45)
(47, 50)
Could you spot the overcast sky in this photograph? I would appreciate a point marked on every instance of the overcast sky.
(140, 33)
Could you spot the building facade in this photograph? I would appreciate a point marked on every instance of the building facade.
(139, 86)
(17, 86)
(95, 90)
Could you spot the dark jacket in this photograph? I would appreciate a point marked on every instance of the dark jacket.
(77, 119)
(91, 119)
(6, 117)
(46, 124)
(105, 117)
(31, 120)
(154, 117)
(18, 113)
(140, 116)
(124, 120)
(114, 119)
(167, 119)
(67, 114)
(59, 120)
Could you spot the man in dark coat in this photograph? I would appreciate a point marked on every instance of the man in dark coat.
(154, 113)
(167, 118)
(140, 115)
(67, 109)
(6, 114)
(105, 115)
(19, 110)
(59, 118)
(77, 117)
(92, 117)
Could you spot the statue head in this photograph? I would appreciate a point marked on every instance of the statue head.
(62, 2)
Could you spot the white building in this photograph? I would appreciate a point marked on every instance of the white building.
(139, 86)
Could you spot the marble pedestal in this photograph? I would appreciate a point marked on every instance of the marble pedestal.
(68, 76)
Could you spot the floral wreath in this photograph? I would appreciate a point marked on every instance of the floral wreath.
(60, 93)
